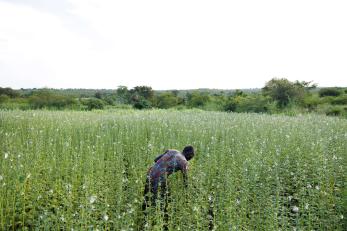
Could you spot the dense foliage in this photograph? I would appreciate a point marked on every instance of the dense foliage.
(86, 170)
(277, 96)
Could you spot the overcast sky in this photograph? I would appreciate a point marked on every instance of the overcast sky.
(171, 44)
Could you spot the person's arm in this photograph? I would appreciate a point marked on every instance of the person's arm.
(184, 169)
(158, 157)
(185, 179)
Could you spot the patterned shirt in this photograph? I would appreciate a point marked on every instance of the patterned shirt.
(169, 162)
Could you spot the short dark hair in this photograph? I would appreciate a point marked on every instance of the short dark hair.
(188, 152)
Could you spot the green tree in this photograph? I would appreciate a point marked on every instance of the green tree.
(238, 93)
(123, 94)
(142, 104)
(142, 97)
(284, 91)
(9, 92)
(167, 100)
(98, 95)
(197, 99)
(143, 92)
(94, 103)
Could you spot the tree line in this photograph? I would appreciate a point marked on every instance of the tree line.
(279, 95)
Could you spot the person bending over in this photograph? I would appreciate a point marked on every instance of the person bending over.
(164, 165)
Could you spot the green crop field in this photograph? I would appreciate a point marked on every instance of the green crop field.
(86, 170)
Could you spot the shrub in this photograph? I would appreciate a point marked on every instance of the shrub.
(142, 104)
(230, 106)
(167, 100)
(94, 103)
(334, 111)
(51, 101)
(341, 100)
(250, 103)
(4, 98)
(329, 92)
(311, 102)
(197, 99)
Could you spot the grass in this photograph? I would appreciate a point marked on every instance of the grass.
(86, 170)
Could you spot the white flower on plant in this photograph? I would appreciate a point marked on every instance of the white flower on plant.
(105, 217)
(130, 211)
(92, 199)
(6, 155)
(238, 201)
(68, 187)
(306, 206)
(295, 209)
(309, 186)
(317, 187)
(341, 217)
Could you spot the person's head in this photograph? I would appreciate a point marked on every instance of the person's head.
(188, 152)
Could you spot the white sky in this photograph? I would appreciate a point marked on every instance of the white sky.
(181, 44)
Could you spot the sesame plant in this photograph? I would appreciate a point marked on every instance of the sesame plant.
(86, 171)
